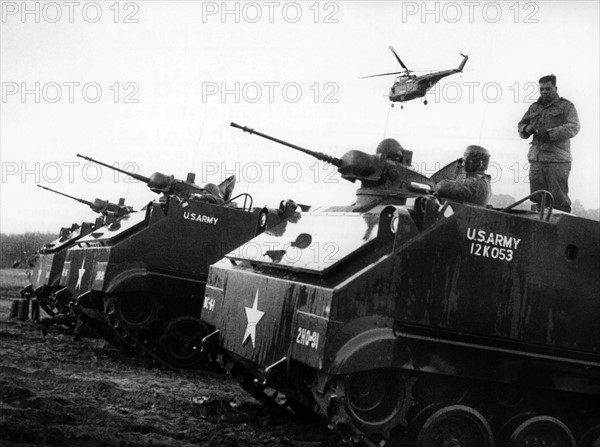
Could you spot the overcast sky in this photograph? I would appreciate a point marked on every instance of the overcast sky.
(153, 86)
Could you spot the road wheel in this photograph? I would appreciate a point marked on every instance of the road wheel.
(455, 426)
(136, 310)
(541, 431)
(180, 343)
(591, 438)
(377, 400)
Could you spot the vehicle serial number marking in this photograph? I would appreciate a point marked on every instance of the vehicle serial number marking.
(504, 254)
(492, 245)
(209, 303)
(307, 337)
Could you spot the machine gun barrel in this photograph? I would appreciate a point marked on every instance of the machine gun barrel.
(85, 202)
(319, 155)
(139, 177)
(98, 205)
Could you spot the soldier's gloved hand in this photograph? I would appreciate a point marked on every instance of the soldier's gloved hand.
(529, 129)
(543, 135)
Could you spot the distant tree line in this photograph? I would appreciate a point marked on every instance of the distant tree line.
(19, 250)
(577, 208)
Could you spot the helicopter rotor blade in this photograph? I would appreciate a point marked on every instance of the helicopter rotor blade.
(382, 74)
(398, 58)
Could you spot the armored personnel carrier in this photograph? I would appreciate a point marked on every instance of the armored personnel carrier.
(409, 321)
(47, 271)
(142, 277)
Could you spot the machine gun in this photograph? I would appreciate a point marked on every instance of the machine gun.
(98, 205)
(158, 182)
(386, 177)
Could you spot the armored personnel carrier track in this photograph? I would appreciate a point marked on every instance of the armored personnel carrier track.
(174, 343)
(99, 329)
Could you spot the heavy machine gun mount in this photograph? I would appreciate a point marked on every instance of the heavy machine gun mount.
(158, 182)
(98, 205)
(386, 178)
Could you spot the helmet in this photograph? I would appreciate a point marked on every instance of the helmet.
(476, 158)
(390, 148)
(212, 189)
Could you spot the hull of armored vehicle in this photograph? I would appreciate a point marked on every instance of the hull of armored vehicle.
(143, 276)
(454, 325)
(48, 269)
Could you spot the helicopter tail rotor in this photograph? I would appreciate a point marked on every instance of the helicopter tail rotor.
(464, 61)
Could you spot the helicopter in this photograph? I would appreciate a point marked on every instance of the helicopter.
(409, 86)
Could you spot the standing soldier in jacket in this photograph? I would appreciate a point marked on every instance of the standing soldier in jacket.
(552, 121)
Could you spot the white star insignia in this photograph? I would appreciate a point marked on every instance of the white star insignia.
(253, 315)
(80, 274)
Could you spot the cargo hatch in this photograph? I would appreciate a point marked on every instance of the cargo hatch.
(114, 229)
(314, 243)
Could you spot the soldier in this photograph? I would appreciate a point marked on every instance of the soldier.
(211, 194)
(475, 186)
(391, 149)
(552, 121)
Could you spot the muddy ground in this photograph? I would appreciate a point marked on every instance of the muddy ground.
(57, 392)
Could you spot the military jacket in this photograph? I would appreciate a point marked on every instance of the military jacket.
(474, 188)
(560, 119)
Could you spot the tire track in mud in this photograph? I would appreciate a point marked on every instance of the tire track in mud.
(57, 392)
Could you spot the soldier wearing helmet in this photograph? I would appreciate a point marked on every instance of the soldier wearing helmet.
(391, 149)
(475, 186)
(211, 194)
